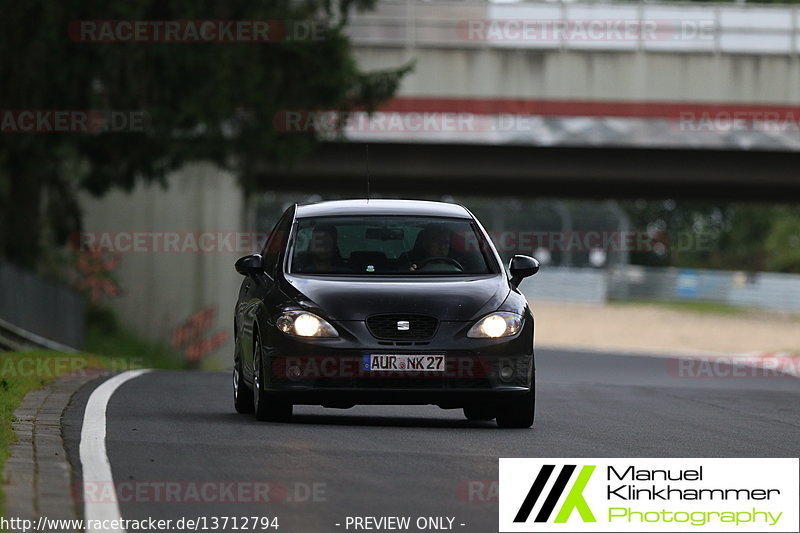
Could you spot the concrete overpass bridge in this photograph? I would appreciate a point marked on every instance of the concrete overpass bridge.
(576, 98)
(640, 52)
(535, 171)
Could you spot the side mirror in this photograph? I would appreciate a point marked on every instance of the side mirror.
(250, 264)
(522, 266)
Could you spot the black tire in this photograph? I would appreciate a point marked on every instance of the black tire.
(242, 394)
(480, 412)
(517, 412)
(267, 407)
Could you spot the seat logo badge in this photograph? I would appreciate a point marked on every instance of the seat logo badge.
(403, 325)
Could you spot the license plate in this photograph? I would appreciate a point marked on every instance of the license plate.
(404, 363)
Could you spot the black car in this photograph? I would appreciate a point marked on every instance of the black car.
(383, 302)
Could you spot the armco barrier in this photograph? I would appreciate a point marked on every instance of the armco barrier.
(562, 284)
(767, 290)
(41, 307)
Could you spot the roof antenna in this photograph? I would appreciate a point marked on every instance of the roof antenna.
(367, 172)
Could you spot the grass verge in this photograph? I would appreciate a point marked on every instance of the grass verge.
(109, 346)
(104, 336)
(23, 372)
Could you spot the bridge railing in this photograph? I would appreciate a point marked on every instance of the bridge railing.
(601, 26)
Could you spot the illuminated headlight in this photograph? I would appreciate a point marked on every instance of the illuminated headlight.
(304, 324)
(496, 325)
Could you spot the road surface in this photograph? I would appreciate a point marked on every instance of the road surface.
(328, 464)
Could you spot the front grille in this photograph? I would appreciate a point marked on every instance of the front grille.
(419, 326)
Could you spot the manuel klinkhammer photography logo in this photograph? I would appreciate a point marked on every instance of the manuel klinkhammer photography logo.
(574, 500)
(630, 494)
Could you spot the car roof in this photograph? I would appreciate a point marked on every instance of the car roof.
(382, 207)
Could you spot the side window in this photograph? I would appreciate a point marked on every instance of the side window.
(277, 241)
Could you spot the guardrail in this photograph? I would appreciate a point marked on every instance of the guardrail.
(37, 313)
(17, 339)
(765, 290)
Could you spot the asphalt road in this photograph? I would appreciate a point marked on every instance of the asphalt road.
(328, 464)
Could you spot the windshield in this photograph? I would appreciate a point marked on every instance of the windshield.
(389, 245)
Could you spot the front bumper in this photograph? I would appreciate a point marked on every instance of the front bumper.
(330, 371)
(447, 399)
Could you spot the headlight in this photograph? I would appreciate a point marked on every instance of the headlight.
(496, 325)
(304, 324)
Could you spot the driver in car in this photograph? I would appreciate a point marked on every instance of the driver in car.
(433, 242)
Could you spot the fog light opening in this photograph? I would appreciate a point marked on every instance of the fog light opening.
(293, 372)
(506, 373)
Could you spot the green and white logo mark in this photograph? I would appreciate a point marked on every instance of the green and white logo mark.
(573, 501)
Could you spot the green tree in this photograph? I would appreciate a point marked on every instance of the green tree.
(728, 236)
(211, 101)
(783, 243)
(743, 232)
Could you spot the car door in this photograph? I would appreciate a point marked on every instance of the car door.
(260, 292)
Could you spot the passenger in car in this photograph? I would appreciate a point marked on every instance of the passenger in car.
(323, 254)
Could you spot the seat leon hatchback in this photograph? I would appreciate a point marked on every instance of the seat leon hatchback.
(383, 302)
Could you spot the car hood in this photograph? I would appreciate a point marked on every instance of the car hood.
(461, 299)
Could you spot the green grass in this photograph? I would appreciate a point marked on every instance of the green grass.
(692, 306)
(23, 372)
(108, 346)
(105, 337)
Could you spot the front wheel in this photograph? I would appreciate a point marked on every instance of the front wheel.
(242, 395)
(517, 412)
(267, 407)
